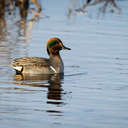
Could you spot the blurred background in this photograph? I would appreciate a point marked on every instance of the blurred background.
(93, 91)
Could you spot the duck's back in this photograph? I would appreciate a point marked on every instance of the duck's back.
(31, 65)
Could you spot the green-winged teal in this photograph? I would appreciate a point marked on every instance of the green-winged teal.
(36, 65)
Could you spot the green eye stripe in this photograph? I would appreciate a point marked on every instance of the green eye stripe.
(52, 43)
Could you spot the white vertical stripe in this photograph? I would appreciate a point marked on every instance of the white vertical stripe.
(53, 69)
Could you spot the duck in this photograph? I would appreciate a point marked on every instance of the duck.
(38, 65)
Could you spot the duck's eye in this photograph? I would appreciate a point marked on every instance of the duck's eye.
(57, 48)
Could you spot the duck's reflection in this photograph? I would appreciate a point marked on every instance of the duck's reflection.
(55, 90)
(52, 82)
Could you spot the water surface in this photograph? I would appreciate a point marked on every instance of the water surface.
(93, 91)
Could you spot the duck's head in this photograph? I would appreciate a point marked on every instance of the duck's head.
(54, 45)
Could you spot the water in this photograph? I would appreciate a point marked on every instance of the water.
(93, 91)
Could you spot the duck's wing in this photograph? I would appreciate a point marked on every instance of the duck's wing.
(30, 61)
(19, 63)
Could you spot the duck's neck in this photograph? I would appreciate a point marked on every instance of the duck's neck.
(56, 63)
